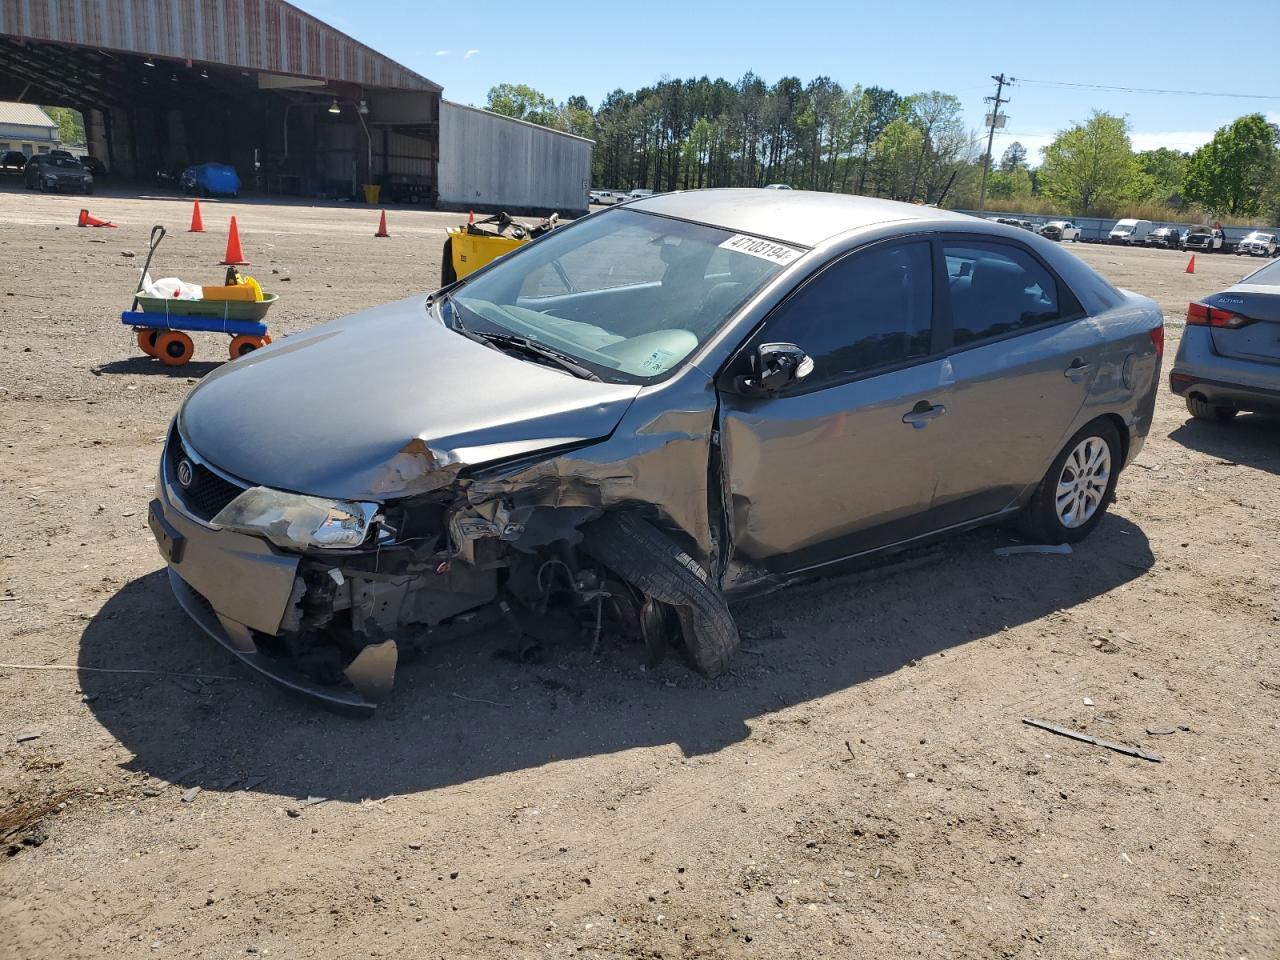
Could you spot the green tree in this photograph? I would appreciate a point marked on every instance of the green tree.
(1090, 165)
(521, 101)
(1162, 173)
(1013, 184)
(70, 124)
(1232, 172)
(1014, 156)
(575, 116)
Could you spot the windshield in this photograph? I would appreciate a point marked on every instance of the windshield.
(628, 294)
(65, 163)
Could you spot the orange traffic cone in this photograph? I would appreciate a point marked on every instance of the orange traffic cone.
(382, 226)
(1191, 265)
(197, 224)
(235, 256)
(89, 220)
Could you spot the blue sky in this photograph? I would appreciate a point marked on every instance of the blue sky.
(564, 48)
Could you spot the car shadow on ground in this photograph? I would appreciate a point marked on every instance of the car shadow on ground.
(1250, 439)
(459, 713)
(153, 367)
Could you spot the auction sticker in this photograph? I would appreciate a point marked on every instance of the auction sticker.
(770, 250)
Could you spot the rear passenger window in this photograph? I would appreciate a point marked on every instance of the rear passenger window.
(872, 309)
(997, 289)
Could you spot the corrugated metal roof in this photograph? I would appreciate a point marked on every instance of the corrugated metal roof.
(268, 35)
(24, 114)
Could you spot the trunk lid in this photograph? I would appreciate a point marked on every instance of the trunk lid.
(1259, 338)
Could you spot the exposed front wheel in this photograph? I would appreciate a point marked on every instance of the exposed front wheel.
(1204, 410)
(661, 571)
(1074, 495)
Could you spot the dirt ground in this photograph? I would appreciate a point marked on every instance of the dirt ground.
(861, 785)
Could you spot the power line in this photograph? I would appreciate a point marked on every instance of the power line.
(1115, 89)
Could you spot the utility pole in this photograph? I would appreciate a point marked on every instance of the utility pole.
(993, 120)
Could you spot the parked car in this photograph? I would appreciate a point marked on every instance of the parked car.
(777, 186)
(13, 160)
(1229, 356)
(596, 395)
(211, 180)
(1129, 231)
(1015, 222)
(55, 174)
(1167, 237)
(596, 196)
(60, 153)
(1061, 230)
(1257, 244)
(1205, 238)
(638, 194)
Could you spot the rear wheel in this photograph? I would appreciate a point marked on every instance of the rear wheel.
(1074, 495)
(245, 343)
(1204, 410)
(174, 348)
(147, 341)
(447, 274)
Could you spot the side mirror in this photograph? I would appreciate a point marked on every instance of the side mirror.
(775, 367)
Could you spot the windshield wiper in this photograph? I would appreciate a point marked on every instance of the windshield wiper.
(513, 342)
(533, 347)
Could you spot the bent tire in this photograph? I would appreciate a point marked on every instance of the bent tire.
(1074, 495)
(1204, 410)
(657, 567)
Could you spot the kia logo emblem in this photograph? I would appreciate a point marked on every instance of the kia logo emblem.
(186, 472)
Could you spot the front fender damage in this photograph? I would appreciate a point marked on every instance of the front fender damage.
(467, 545)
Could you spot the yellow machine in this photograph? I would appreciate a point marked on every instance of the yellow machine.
(470, 246)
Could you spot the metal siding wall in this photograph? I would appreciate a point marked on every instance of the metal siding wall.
(489, 160)
(250, 34)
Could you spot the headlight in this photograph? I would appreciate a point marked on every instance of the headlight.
(88, 178)
(51, 176)
(295, 521)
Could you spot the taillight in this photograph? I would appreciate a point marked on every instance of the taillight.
(1157, 340)
(1203, 315)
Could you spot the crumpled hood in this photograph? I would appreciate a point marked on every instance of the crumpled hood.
(386, 403)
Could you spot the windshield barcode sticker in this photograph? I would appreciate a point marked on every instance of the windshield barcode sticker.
(764, 249)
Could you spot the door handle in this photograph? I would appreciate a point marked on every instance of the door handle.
(1078, 368)
(924, 411)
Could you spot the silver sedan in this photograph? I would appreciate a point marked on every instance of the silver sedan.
(639, 416)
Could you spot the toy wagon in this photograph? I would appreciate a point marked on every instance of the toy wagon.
(162, 324)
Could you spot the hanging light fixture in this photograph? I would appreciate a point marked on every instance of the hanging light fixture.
(334, 108)
(148, 62)
(204, 74)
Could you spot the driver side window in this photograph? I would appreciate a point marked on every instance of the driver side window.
(871, 309)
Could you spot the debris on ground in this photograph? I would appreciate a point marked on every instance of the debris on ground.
(1085, 738)
(1062, 549)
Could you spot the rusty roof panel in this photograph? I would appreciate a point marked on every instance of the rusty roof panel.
(268, 35)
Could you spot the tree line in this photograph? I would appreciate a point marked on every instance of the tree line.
(820, 135)
(687, 134)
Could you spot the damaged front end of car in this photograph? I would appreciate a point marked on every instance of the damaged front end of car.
(505, 547)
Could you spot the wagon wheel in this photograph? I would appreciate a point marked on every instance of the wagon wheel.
(245, 343)
(174, 348)
(147, 341)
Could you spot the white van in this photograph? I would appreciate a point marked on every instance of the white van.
(1129, 231)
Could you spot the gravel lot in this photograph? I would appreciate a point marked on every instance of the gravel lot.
(861, 786)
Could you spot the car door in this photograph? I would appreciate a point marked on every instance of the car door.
(844, 460)
(1023, 354)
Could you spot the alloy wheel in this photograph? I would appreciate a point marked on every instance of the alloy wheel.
(1083, 482)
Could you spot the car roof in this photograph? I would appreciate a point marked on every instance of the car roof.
(803, 217)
